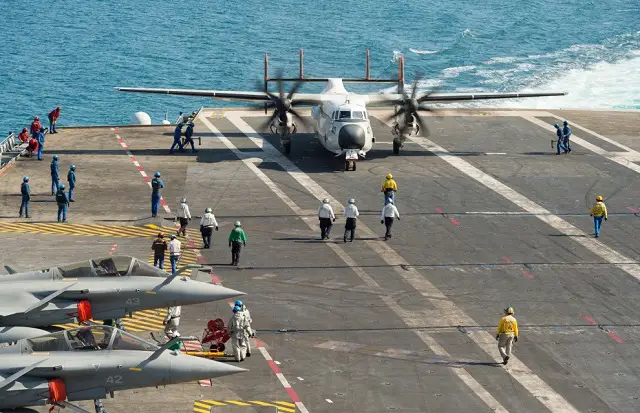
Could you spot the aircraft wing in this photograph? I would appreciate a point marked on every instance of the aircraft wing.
(231, 95)
(395, 98)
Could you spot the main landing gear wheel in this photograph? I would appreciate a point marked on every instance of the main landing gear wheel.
(396, 147)
(350, 166)
(287, 148)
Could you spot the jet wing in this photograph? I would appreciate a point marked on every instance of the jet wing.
(384, 99)
(15, 376)
(231, 95)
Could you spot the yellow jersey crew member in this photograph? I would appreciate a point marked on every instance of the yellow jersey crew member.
(389, 187)
(507, 334)
(598, 212)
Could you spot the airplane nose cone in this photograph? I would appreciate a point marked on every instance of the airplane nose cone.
(186, 368)
(351, 137)
(195, 292)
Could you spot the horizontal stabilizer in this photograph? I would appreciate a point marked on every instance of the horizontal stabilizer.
(15, 376)
(40, 304)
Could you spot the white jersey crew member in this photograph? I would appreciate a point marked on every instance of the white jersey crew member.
(327, 218)
(351, 214)
(389, 212)
(184, 216)
(172, 321)
(207, 223)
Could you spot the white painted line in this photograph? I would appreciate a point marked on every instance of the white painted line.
(494, 213)
(284, 381)
(300, 378)
(496, 153)
(277, 362)
(319, 193)
(329, 401)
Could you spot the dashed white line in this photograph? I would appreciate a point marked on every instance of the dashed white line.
(329, 401)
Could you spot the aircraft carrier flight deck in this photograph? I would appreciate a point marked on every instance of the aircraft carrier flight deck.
(491, 217)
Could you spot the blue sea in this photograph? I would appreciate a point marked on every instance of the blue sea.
(74, 52)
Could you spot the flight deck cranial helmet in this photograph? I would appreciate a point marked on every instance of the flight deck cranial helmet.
(55, 157)
(352, 201)
(599, 198)
(157, 174)
(509, 310)
(237, 224)
(239, 303)
(208, 210)
(389, 176)
(236, 309)
(325, 201)
(25, 179)
(61, 186)
(72, 167)
(565, 123)
(555, 125)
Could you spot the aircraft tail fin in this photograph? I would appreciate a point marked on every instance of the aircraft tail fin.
(10, 270)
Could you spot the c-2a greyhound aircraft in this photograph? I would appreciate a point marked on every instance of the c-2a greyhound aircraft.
(342, 124)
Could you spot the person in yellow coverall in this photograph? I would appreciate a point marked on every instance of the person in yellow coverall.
(507, 334)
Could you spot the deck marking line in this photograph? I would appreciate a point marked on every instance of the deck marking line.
(139, 168)
(534, 384)
(463, 374)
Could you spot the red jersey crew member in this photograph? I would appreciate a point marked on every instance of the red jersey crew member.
(24, 135)
(35, 126)
(53, 119)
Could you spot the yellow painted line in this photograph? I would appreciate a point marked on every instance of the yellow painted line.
(141, 231)
(143, 322)
(237, 403)
(113, 230)
(50, 227)
(280, 408)
(285, 403)
(213, 402)
(155, 312)
(135, 369)
(195, 409)
(152, 226)
(135, 330)
(143, 326)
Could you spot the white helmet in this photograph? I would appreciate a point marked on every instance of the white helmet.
(183, 200)
(325, 201)
(352, 201)
(208, 210)
(237, 224)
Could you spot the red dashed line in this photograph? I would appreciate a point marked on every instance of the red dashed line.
(528, 275)
(113, 249)
(611, 334)
(524, 272)
(444, 214)
(506, 259)
(635, 211)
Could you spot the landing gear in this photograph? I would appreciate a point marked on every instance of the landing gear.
(396, 147)
(350, 165)
(286, 145)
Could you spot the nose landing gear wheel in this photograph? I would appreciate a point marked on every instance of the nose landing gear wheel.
(350, 166)
(287, 147)
(396, 147)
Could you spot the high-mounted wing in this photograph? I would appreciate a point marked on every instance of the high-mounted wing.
(384, 99)
(231, 95)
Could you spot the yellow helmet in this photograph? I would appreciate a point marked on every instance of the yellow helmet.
(389, 176)
(509, 310)
(599, 198)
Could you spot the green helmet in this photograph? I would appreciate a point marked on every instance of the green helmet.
(509, 310)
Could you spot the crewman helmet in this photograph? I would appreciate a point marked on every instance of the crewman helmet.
(61, 186)
(555, 125)
(160, 235)
(325, 201)
(389, 176)
(237, 224)
(599, 198)
(208, 210)
(352, 201)
(72, 167)
(173, 236)
(58, 108)
(157, 174)
(55, 157)
(36, 118)
(239, 303)
(236, 309)
(183, 200)
(25, 179)
(509, 310)
(24, 129)
(565, 123)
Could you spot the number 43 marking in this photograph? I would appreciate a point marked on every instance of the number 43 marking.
(133, 301)
(115, 380)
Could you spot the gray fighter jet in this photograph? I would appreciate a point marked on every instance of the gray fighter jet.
(88, 363)
(98, 289)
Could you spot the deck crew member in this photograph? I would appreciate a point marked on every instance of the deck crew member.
(389, 212)
(174, 253)
(239, 335)
(207, 222)
(172, 321)
(36, 126)
(184, 216)
(188, 137)
(248, 320)
(24, 135)
(389, 187)
(159, 247)
(237, 238)
(507, 334)
(560, 143)
(32, 148)
(566, 132)
(177, 134)
(156, 186)
(351, 214)
(53, 119)
(327, 218)
(599, 213)
(71, 178)
(63, 203)
(55, 172)
(39, 136)
(25, 193)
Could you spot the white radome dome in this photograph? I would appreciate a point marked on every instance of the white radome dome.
(141, 118)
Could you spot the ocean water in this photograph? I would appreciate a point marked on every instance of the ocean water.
(74, 52)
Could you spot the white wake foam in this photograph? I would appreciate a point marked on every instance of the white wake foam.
(416, 51)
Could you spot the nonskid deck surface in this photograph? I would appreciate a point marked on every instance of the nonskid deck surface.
(490, 217)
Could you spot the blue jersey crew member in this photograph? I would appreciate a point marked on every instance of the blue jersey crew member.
(156, 186)
(55, 175)
(71, 178)
(25, 193)
(63, 203)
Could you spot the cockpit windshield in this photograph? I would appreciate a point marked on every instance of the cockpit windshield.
(345, 114)
(352, 115)
(110, 267)
(89, 338)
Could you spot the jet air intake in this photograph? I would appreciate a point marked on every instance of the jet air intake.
(351, 137)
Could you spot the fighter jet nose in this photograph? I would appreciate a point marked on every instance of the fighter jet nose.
(186, 368)
(351, 137)
(194, 292)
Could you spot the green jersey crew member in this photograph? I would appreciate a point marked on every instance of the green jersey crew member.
(237, 239)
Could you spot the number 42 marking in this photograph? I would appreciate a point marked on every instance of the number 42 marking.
(115, 380)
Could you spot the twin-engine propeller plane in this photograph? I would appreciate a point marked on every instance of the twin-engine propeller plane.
(342, 124)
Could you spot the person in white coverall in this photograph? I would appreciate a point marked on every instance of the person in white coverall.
(172, 321)
(184, 216)
(389, 212)
(207, 223)
(326, 217)
(239, 334)
(248, 320)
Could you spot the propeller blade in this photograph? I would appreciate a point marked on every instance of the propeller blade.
(300, 118)
(295, 89)
(423, 128)
(266, 124)
(395, 114)
(279, 75)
